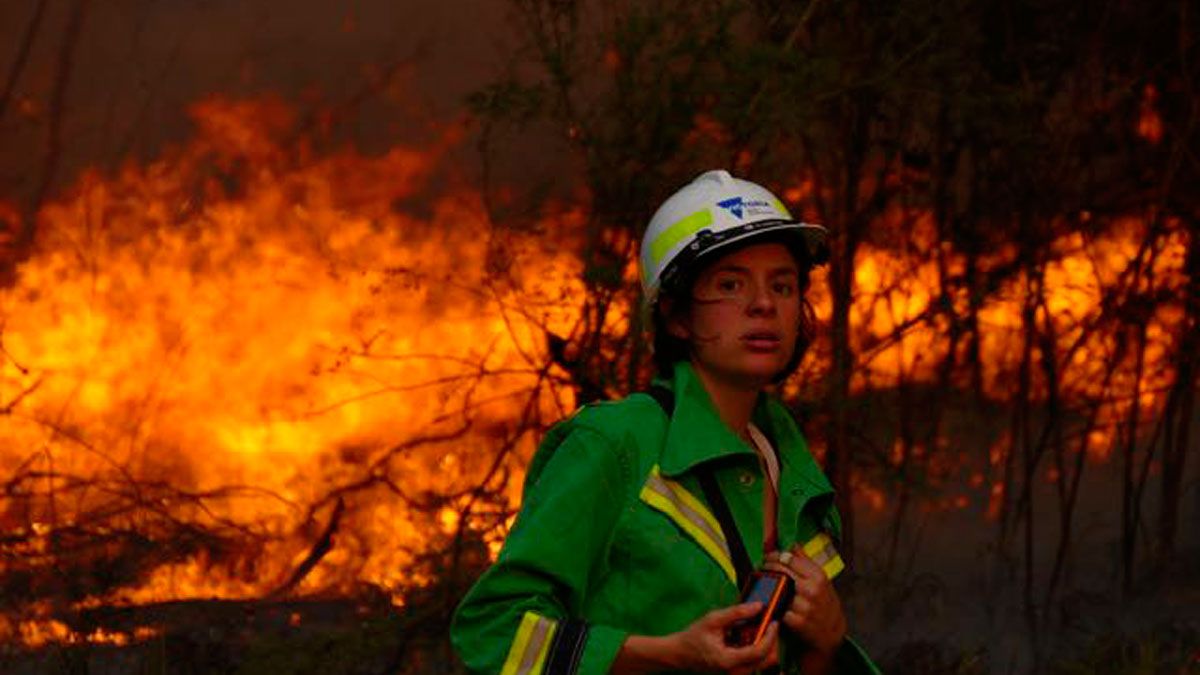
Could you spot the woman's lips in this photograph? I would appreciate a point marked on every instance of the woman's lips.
(764, 341)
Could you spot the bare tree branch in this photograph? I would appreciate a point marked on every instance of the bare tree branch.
(53, 150)
(22, 57)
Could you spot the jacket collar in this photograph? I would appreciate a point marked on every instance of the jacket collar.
(697, 434)
(797, 465)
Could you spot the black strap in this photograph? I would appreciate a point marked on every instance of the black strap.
(567, 648)
(665, 398)
(713, 495)
(720, 507)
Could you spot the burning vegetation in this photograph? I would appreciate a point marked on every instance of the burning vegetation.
(243, 371)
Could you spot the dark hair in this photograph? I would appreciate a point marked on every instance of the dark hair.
(669, 349)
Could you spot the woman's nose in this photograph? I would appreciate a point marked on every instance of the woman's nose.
(761, 300)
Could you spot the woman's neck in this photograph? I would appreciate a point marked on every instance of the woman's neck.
(734, 402)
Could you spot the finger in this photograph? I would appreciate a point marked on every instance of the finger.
(753, 654)
(799, 615)
(776, 566)
(771, 638)
(802, 605)
(727, 615)
(782, 557)
(768, 655)
(812, 587)
(804, 565)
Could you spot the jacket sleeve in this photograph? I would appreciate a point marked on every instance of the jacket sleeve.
(523, 614)
(851, 658)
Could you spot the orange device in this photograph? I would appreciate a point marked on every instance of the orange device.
(774, 590)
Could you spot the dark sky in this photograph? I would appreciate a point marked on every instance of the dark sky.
(138, 63)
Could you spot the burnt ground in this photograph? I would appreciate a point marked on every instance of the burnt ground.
(351, 636)
(367, 636)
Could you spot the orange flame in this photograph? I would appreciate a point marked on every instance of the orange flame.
(229, 335)
(1149, 124)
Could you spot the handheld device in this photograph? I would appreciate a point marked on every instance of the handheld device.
(772, 589)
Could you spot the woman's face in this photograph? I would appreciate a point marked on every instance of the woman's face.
(745, 315)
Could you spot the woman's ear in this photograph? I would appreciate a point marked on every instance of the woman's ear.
(675, 324)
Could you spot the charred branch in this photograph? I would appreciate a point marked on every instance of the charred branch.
(18, 65)
(323, 545)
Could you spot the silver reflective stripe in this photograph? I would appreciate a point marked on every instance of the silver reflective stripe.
(529, 659)
(661, 488)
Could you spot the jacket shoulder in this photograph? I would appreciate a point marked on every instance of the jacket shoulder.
(632, 426)
(620, 417)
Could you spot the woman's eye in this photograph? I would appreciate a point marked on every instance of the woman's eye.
(729, 285)
(785, 289)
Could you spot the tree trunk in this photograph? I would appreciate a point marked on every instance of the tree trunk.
(1181, 406)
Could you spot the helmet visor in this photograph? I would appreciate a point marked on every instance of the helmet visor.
(808, 242)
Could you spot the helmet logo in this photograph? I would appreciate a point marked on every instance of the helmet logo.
(740, 207)
(732, 205)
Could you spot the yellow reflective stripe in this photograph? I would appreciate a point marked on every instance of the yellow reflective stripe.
(689, 513)
(683, 227)
(782, 209)
(527, 655)
(820, 548)
(519, 643)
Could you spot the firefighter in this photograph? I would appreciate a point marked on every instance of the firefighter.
(642, 517)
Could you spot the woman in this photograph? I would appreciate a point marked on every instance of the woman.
(641, 517)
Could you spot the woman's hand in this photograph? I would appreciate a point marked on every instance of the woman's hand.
(703, 642)
(816, 611)
(701, 647)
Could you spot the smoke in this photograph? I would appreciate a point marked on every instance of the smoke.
(396, 71)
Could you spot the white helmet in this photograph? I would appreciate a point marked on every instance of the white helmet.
(712, 212)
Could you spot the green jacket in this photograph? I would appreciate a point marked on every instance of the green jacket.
(614, 537)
